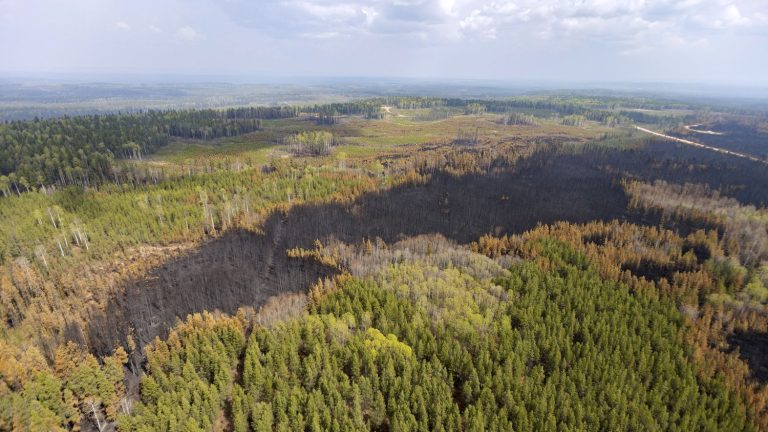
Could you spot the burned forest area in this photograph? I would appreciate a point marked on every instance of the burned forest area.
(244, 268)
(371, 265)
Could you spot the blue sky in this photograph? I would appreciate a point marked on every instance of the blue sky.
(717, 41)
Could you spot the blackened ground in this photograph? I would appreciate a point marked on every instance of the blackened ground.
(753, 348)
(739, 135)
(739, 178)
(241, 268)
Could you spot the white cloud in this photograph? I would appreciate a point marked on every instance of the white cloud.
(330, 12)
(370, 15)
(188, 33)
(347, 17)
(628, 23)
(430, 37)
(732, 17)
(478, 23)
(618, 20)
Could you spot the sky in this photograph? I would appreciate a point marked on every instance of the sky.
(687, 41)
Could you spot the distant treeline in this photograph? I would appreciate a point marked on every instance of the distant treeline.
(82, 150)
(609, 111)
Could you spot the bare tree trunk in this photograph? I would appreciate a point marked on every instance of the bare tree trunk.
(96, 416)
(126, 404)
(52, 220)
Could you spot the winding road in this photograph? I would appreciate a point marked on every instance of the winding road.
(704, 146)
(708, 132)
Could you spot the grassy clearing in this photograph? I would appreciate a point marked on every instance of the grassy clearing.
(185, 151)
(403, 130)
(362, 138)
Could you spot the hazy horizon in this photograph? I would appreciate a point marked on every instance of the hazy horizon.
(719, 42)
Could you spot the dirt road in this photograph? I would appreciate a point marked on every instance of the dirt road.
(704, 146)
(708, 132)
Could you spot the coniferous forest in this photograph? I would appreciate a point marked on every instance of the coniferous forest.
(409, 263)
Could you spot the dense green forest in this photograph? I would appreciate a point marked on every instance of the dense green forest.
(444, 340)
(424, 348)
(82, 150)
(395, 263)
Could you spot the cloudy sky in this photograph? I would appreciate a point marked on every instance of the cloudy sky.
(717, 41)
